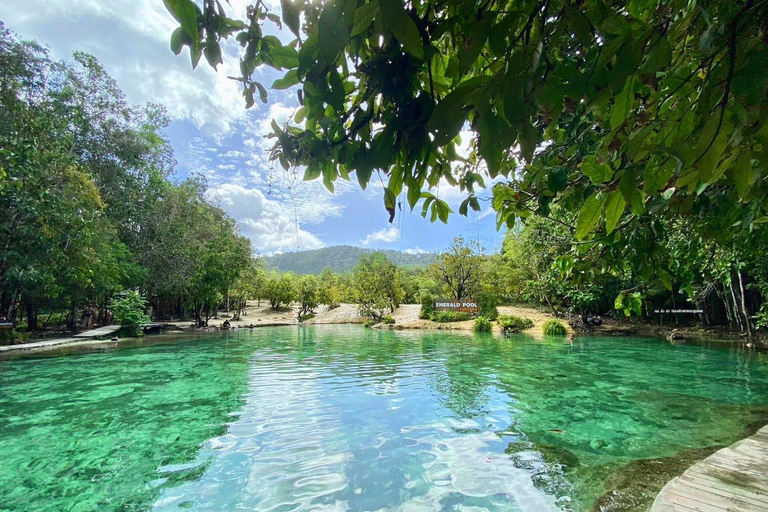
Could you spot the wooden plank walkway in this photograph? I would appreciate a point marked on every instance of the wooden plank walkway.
(98, 332)
(734, 479)
(83, 336)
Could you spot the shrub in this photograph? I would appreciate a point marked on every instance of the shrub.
(128, 308)
(388, 320)
(13, 337)
(483, 324)
(369, 322)
(450, 316)
(553, 328)
(427, 306)
(512, 323)
(307, 317)
(486, 305)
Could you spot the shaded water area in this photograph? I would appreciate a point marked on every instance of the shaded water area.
(342, 418)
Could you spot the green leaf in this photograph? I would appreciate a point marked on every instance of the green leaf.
(597, 173)
(390, 199)
(212, 54)
(185, 13)
(589, 215)
(442, 209)
(473, 44)
(450, 114)
(363, 174)
(291, 16)
(527, 140)
(284, 57)
(178, 39)
(742, 173)
(195, 52)
(301, 114)
(364, 16)
(614, 208)
(623, 103)
(313, 171)
(336, 97)
(332, 31)
(262, 92)
(402, 27)
(290, 79)
(656, 178)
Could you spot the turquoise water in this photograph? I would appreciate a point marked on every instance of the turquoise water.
(340, 418)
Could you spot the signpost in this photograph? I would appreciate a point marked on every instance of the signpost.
(463, 305)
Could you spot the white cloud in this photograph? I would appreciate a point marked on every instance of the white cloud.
(415, 250)
(271, 225)
(387, 235)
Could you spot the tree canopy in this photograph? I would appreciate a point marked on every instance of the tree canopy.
(88, 205)
(622, 121)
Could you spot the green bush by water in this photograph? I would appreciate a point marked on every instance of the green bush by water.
(486, 305)
(388, 320)
(553, 328)
(128, 308)
(512, 323)
(427, 306)
(450, 316)
(483, 324)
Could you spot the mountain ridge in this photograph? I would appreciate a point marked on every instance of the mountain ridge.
(340, 258)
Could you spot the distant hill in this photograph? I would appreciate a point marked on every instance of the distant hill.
(340, 258)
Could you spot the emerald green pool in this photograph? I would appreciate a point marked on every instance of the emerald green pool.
(338, 418)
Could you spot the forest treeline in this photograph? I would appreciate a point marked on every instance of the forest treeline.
(90, 204)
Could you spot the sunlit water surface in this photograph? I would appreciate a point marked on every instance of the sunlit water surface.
(342, 418)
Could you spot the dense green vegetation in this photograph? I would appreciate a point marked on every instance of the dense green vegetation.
(631, 139)
(553, 328)
(340, 258)
(90, 207)
(512, 323)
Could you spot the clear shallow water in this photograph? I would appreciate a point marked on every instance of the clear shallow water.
(341, 418)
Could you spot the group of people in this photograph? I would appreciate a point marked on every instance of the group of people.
(226, 325)
(92, 316)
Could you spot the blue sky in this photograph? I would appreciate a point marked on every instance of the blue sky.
(212, 133)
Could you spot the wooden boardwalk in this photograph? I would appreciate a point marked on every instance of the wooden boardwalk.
(733, 479)
(99, 332)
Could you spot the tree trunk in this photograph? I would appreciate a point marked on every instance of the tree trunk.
(747, 321)
(31, 317)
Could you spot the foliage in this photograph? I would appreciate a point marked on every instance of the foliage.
(128, 308)
(307, 295)
(427, 306)
(450, 316)
(279, 290)
(483, 324)
(377, 285)
(90, 206)
(388, 320)
(629, 118)
(369, 322)
(13, 336)
(330, 292)
(248, 286)
(512, 323)
(458, 269)
(486, 305)
(553, 328)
